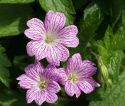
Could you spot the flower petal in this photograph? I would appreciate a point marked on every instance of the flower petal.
(37, 25)
(88, 72)
(52, 57)
(31, 95)
(87, 63)
(69, 88)
(25, 82)
(38, 49)
(74, 63)
(53, 87)
(62, 52)
(32, 73)
(50, 73)
(77, 61)
(77, 91)
(33, 34)
(51, 97)
(67, 36)
(40, 97)
(39, 68)
(70, 66)
(54, 22)
(92, 82)
(56, 54)
(62, 76)
(85, 86)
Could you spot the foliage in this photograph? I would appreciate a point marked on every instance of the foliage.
(101, 25)
(112, 96)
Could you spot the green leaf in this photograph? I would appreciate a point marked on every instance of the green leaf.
(64, 6)
(16, 1)
(114, 96)
(118, 41)
(107, 38)
(4, 64)
(113, 64)
(115, 41)
(112, 60)
(90, 23)
(13, 18)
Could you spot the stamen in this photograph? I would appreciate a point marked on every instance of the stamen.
(73, 77)
(49, 39)
(42, 84)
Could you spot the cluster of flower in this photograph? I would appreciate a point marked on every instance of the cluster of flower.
(50, 41)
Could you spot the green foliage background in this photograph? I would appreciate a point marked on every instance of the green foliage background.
(101, 25)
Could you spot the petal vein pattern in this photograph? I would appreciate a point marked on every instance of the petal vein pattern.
(50, 40)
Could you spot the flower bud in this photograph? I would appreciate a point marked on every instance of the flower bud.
(109, 83)
(100, 79)
(104, 72)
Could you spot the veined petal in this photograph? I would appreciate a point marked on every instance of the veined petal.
(69, 88)
(31, 72)
(53, 87)
(70, 66)
(62, 52)
(92, 82)
(25, 82)
(76, 62)
(85, 86)
(38, 49)
(56, 54)
(50, 73)
(67, 36)
(36, 24)
(62, 76)
(69, 41)
(77, 91)
(71, 30)
(87, 63)
(51, 97)
(39, 68)
(87, 72)
(52, 57)
(40, 97)
(54, 22)
(31, 95)
(34, 34)
(34, 71)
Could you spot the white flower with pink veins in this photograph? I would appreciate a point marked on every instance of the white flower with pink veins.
(50, 39)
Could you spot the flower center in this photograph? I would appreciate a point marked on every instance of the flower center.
(49, 39)
(42, 84)
(73, 77)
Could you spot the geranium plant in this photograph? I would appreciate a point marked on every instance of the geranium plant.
(62, 52)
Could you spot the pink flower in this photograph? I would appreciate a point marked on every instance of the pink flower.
(49, 39)
(41, 83)
(78, 76)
